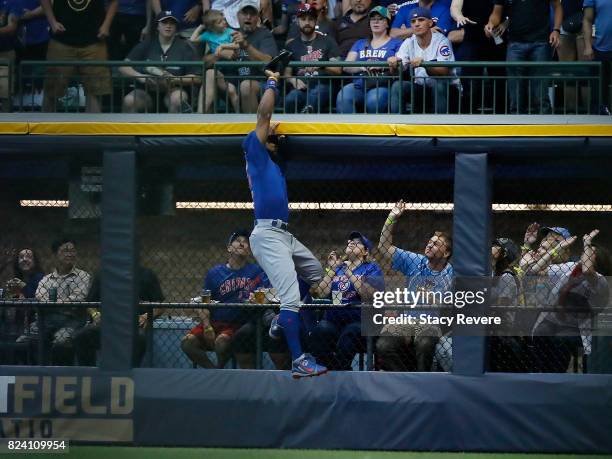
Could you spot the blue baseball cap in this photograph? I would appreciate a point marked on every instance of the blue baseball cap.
(555, 229)
(364, 240)
(236, 234)
(420, 12)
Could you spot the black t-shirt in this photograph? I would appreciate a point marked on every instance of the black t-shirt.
(81, 18)
(179, 50)
(348, 32)
(322, 48)
(478, 11)
(529, 19)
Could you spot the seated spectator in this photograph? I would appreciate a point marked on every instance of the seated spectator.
(10, 12)
(27, 273)
(186, 12)
(66, 283)
(353, 26)
(423, 45)
(598, 13)
(325, 25)
(87, 339)
(170, 82)
(529, 39)
(557, 335)
(337, 338)
(379, 47)
(430, 272)
(255, 44)
(217, 38)
(439, 14)
(78, 34)
(310, 94)
(131, 24)
(227, 330)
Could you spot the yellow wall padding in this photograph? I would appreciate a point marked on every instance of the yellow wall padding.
(310, 128)
(13, 128)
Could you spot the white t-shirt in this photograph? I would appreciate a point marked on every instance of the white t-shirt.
(439, 49)
(230, 10)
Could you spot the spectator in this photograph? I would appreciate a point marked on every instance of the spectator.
(27, 273)
(529, 39)
(439, 14)
(256, 44)
(69, 284)
(599, 13)
(34, 36)
(171, 82)
(217, 37)
(557, 334)
(78, 34)
(325, 26)
(9, 18)
(87, 339)
(423, 45)
(132, 24)
(354, 25)
(379, 47)
(225, 330)
(231, 8)
(310, 94)
(186, 12)
(471, 44)
(337, 338)
(429, 272)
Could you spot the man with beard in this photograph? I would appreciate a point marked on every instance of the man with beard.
(353, 26)
(310, 46)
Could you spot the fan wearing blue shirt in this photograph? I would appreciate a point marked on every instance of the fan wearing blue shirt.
(378, 47)
(430, 272)
(337, 338)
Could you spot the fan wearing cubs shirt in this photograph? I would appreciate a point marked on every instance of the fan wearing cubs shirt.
(423, 45)
(232, 282)
(337, 338)
(276, 250)
(378, 47)
(310, 93)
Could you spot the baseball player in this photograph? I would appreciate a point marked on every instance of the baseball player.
(276, 250)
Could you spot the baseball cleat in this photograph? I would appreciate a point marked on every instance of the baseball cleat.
(306, 366)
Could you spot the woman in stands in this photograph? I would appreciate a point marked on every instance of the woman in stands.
(372, 91)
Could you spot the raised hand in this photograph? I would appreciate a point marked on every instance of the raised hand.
(531, 233)
(587, 239)
(398, 210)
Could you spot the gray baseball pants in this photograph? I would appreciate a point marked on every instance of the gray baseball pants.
(284, 258)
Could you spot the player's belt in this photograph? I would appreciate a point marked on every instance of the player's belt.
(275, 223)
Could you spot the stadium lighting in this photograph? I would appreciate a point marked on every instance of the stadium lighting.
(426, 206)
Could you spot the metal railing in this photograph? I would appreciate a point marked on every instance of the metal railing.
(470, 88)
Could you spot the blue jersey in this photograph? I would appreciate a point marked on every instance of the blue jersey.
(366, 52)
(34, 31)
(9, 8)
(440, 12)
(227, 285)
(213, 40)
(603, 24)
(266, 181)
(370, 273)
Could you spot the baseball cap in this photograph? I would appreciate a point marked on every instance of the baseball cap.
(236, 234)
(420, 12)
(511, 250)
(364, 240)
(306, 8)
(163, 15)
(381, 10)
(555, 229)
(252, 3)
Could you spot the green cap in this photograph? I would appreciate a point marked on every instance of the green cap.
(381, 10)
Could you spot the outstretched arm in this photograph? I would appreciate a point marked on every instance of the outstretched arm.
(266, 107)
(385, 245)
